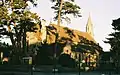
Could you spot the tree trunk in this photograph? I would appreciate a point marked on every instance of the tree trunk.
(24, 42)
(59, 13)
(11, 35)
(10, 31)
(59, 21)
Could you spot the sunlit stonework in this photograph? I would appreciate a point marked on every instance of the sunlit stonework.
(41, 35)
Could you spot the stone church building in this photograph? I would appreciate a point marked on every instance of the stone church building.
(84, 40)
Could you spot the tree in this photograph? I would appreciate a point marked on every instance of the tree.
(15, 15)
(63, 8)
(114, 41)
(66, 61)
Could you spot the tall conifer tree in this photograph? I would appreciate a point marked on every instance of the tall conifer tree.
(114, 41)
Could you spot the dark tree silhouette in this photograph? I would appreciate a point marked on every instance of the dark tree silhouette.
(18, 19)
(114, 41)
(66, 61)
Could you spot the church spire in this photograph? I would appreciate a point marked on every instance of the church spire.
(89, 26)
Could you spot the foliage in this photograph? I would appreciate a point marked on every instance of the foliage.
(46, 52)
(5, 47)
(66, 61)
(68, 7)
(15, 21)
(114, 41)
(17, 18)
(63, 8)
(69, 32)
(83, 44)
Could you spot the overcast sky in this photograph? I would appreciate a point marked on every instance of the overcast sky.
(102, 13)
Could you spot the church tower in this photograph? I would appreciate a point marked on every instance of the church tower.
(89, 27)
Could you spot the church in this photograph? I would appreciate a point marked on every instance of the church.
(41, 32)
(77, 44)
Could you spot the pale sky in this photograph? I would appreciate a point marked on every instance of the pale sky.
(102, 13)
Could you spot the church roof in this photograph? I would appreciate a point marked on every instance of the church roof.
(65, 32)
